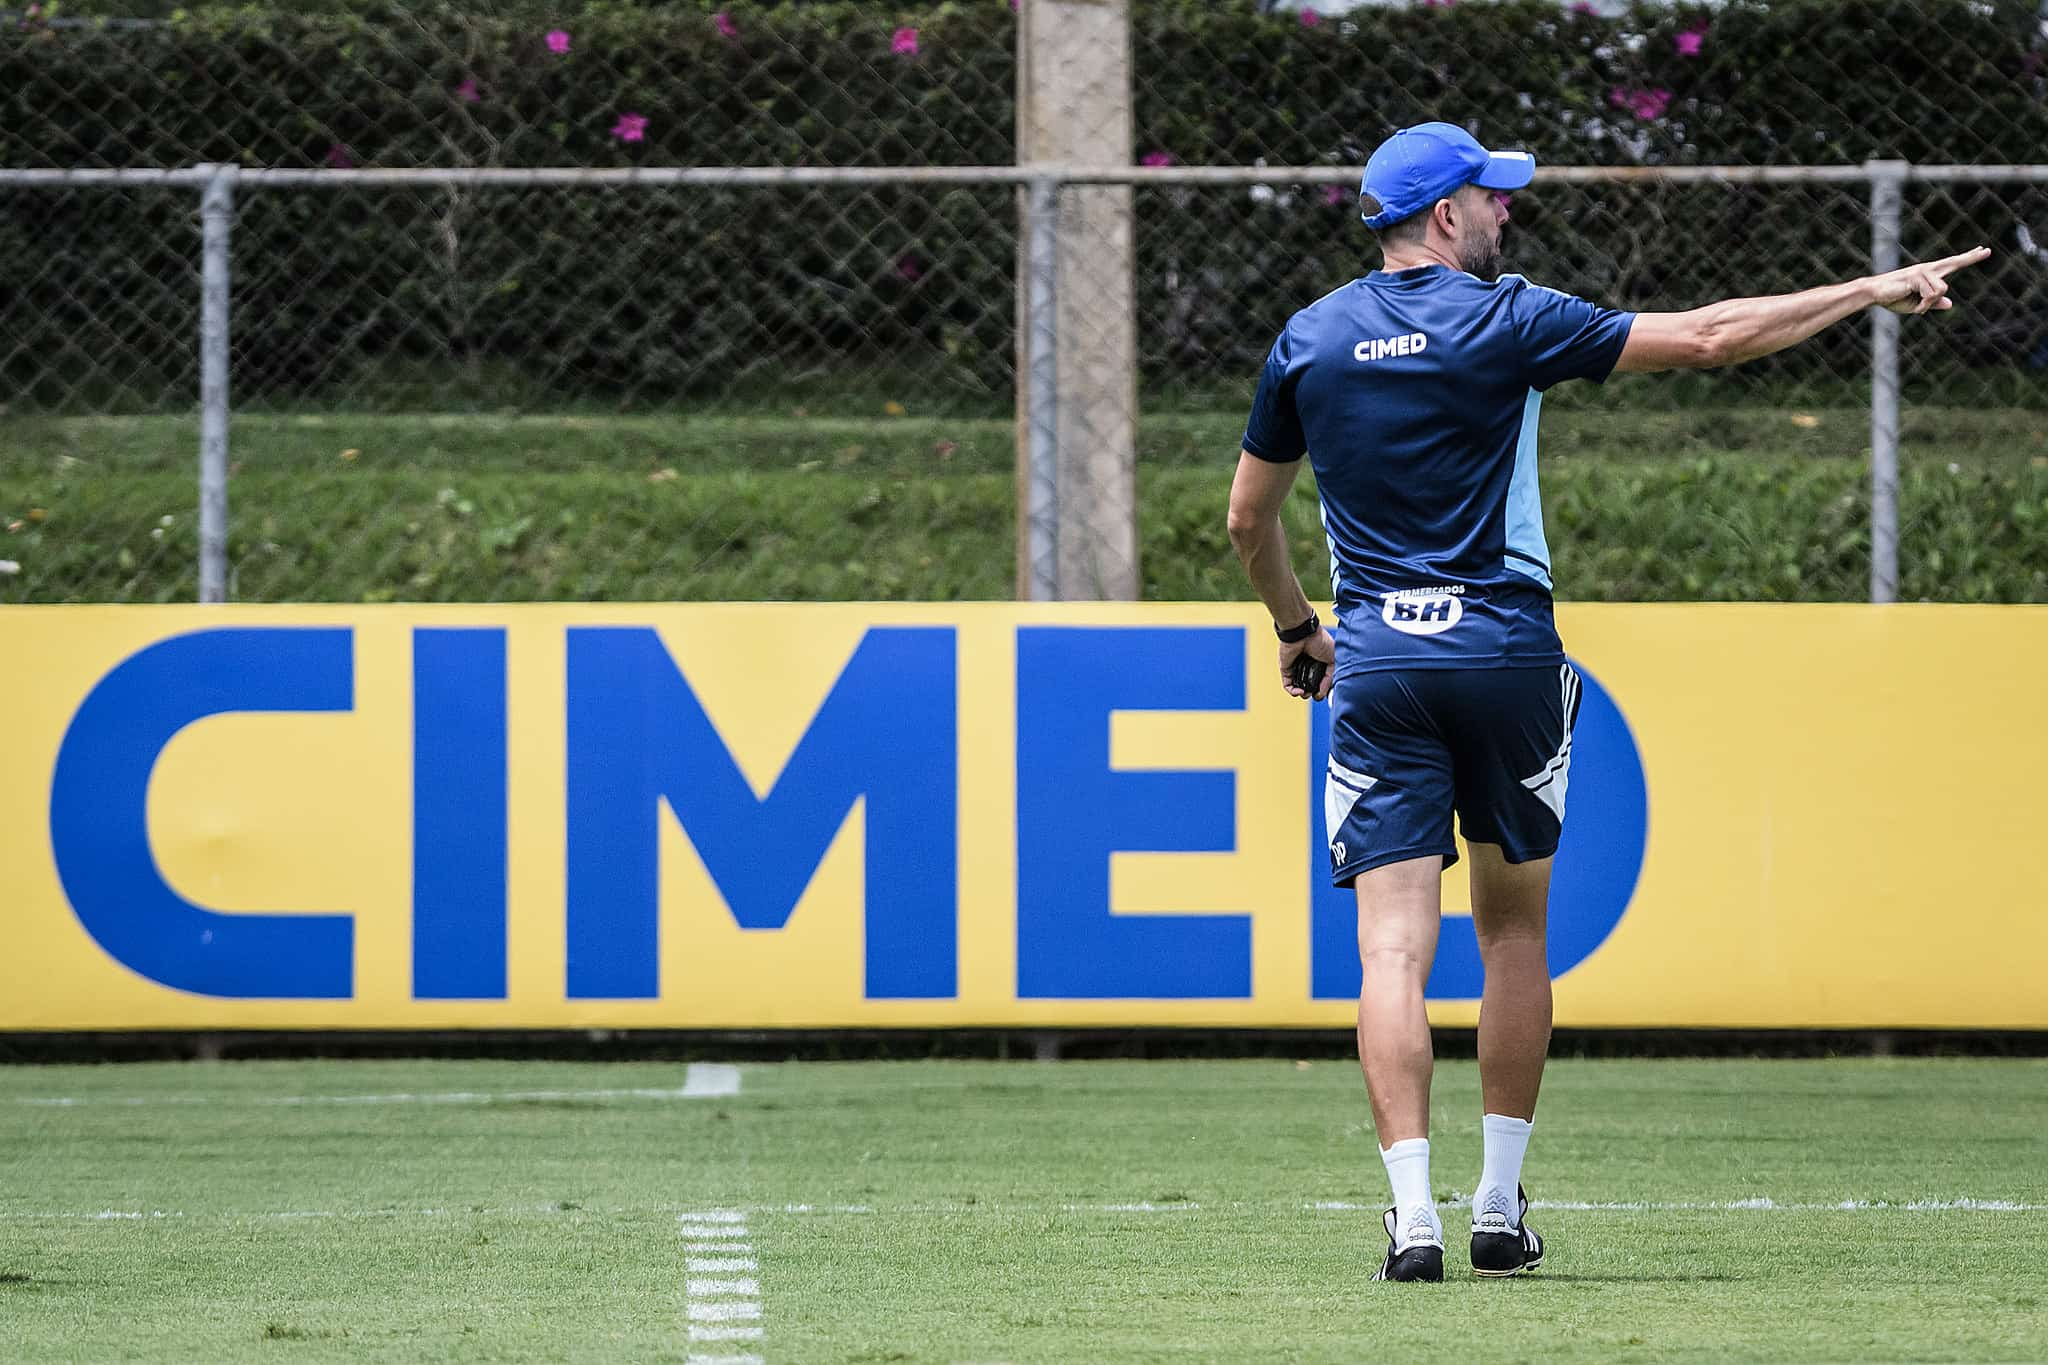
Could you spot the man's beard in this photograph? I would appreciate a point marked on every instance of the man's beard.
(1481, 258)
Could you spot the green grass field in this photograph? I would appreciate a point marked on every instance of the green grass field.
(1146, 1211)
(1739, 503)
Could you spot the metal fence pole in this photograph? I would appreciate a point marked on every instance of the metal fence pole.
(1887, 196)
(216, 223)
(1041, 391)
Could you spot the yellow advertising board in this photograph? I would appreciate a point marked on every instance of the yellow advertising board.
(749, 816)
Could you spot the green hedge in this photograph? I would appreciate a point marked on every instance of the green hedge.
(442, 508)
(1623, 531)
(632, 298)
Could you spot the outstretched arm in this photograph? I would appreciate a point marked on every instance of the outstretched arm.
(1736, 330)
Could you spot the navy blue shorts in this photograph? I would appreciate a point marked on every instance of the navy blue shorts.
(1409, 747)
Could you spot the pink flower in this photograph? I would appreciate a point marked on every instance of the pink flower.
(908, 269)
(558, 41)
(1310, 19)
(1644, 104)
(725, 24)
(1585, 7)
(1439, 4)
(904, 44)
(338, 157)
(467, 91)
(1156, 159)
(1689, 41)
(1334, 195)
(630, 128)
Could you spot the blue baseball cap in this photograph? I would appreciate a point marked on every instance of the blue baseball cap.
(1418, 166)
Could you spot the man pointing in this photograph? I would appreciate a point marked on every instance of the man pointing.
(1415, 393)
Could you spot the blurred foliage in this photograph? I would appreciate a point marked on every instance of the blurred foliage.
(643, 297)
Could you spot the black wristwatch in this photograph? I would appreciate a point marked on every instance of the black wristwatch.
(1300, 632)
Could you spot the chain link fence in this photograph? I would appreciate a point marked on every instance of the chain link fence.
(1752, 482)
(527, 385)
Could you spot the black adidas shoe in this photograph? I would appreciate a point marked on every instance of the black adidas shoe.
(1419, 1260)
(1499, 1249)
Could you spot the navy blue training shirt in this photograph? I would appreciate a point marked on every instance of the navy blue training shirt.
(1415, 395)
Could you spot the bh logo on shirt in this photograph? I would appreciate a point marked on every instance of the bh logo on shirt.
(1424, 611)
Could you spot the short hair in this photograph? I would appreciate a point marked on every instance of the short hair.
(1402, 231)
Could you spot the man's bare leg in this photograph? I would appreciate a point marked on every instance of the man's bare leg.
(1398, 915)
(1510, 912)
(1399, 909)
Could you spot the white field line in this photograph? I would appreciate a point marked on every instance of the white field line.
(735, 1310)
(701, 1080)
(722, 1308)
(734, 1246)
(711, 1289)
(1760, 1204)
(822, 1208)
(704, 1079)
(272, 1215)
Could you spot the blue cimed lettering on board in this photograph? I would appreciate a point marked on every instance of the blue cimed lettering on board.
(99, 813)
(1074, 811)
(639, 741)
(460, 774)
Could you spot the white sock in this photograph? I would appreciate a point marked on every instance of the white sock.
(1506, 1141)
(1415, 1218)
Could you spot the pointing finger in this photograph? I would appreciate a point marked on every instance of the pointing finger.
(1963, 260)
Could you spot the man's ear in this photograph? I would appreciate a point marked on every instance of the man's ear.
(1445, 212)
